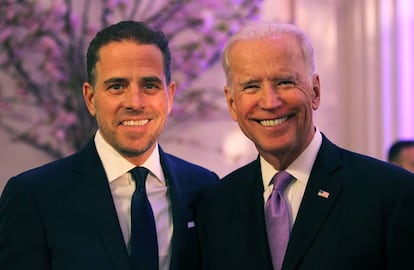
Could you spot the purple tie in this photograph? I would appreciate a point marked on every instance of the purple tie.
(277, 219)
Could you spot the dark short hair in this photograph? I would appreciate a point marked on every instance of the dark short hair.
(396, 147)
(127, 30)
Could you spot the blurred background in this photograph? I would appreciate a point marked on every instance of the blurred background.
(364, 56)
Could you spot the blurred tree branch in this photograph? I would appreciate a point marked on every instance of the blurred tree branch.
(42, 55)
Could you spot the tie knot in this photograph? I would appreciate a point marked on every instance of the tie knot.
(139, 174)
(281, 180)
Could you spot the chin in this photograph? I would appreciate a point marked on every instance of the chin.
(132, 152)
(277, 146)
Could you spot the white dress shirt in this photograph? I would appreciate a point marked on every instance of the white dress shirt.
(300, 169)
(122, 186)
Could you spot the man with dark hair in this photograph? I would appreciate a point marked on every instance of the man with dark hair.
(401, 153)
(121, 202)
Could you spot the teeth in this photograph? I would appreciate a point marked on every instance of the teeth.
(274, 122)
(135, 122)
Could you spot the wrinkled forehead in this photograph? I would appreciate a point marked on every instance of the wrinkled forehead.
(266, 54)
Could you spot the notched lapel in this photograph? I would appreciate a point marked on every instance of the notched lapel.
(321, 194)
(250, 230)
(178, 199)
(94, 190)
(176, 190)
(312, 214)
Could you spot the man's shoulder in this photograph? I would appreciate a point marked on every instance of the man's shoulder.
(57, 165)
(243, 176)
(181, 165)
(178, 161)
(363, 168)
(58, 168)
(244, 171)
(40, 180)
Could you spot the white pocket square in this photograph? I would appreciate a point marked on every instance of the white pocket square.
(190, 224)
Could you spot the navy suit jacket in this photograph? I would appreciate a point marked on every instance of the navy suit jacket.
(62, 216)
(366, 222)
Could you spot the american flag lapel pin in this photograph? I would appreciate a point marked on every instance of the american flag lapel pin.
(323, 194)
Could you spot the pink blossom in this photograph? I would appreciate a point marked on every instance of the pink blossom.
(5, 34)
(46, 41)
(60, 135)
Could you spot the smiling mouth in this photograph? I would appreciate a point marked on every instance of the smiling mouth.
(135, 122)
(273, 122)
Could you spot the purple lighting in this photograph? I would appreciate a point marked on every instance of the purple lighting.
(388, 91)
(405, 75)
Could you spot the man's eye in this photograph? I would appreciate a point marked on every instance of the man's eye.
(116, 86)
(149, 86)
(285, 84)
(152, 86)
(250, 87)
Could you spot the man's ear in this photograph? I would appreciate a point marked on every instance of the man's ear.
(89, 97)
(316, 91)
(171, 94)
(231, 106)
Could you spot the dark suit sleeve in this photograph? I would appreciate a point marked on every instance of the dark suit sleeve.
(22, 240)
(400, 239)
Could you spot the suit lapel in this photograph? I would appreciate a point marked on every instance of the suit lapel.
(320, 196)
(177, 195)
(94, 190)
(250, 207)
(250, 203)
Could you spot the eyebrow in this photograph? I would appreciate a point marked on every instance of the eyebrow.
(144, 79)
(151, 79)
(253, 81)
(285, 77)
(114, 80)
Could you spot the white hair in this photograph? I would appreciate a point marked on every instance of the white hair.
(268, 30)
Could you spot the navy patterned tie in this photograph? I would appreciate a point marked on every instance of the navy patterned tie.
(277, 219)
(144, 245)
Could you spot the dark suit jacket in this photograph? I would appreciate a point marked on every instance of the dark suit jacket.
(366, 223)
(62, 216)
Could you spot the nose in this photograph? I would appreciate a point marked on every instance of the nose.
(134, 98)
(270, 98)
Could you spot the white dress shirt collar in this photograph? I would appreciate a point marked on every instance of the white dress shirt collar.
(300, 168)
(116, 165)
